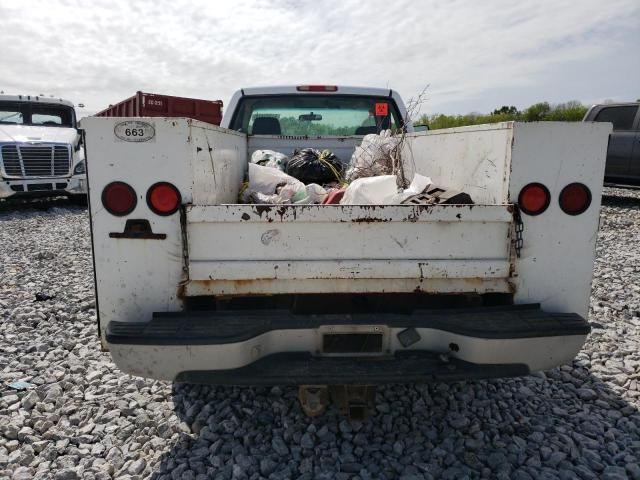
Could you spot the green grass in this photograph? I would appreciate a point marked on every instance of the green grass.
(563, 112)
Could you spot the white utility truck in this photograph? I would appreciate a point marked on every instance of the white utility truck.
(193, 286)
(40, 148)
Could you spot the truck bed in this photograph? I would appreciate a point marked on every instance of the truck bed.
(215, 250)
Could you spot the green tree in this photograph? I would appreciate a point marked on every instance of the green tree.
(512, 110)
(537, 112)
(572, 111)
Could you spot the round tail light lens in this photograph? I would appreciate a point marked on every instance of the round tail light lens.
(575, 198)
(534, 199)
(163, 198)
(119, 199)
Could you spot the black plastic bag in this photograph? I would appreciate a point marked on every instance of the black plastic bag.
(312, 166)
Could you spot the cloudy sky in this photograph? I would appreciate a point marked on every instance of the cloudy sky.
(474, 55)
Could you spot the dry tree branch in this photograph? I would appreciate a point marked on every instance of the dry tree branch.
(413, 107)
(383, 156)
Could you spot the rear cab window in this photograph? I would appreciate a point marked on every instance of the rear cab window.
(621, 117)
(321, 115)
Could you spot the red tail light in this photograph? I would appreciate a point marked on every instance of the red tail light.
(317, 88)
(163, 198)
(119, 199)
(575, 198)
(534, 199)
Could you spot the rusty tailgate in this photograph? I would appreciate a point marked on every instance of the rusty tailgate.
(259, 249)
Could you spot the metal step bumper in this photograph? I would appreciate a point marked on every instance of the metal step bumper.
(278, 347)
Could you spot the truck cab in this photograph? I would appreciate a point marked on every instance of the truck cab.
(349, 112)
(623, 154)
(194, 286)
(40, 148)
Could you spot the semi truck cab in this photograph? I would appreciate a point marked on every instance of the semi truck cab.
(41, 152)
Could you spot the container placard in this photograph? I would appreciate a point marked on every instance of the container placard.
(134, 131)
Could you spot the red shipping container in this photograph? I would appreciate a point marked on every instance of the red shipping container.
(155, 105)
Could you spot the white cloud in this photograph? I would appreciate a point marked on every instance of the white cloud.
(100, 52)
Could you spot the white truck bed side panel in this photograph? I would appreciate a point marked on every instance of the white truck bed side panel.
(473, 159)
(219, 164)
(136, 277)
(557, 258)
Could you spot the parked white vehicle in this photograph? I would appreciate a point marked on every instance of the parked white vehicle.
(40, 148)
(192, 286)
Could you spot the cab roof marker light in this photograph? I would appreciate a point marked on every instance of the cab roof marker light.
(317, 88)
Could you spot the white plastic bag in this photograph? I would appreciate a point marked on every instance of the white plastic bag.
(315, 193)
(418, 185)
(370, 191)
(373, 157)
(269, 158)
(270, 185)
(266, 179)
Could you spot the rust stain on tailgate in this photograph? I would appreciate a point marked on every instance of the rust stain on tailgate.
(274, 286)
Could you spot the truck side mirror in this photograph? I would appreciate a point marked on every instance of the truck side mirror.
(80, 135)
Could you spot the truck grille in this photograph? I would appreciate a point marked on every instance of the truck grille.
(36, 160)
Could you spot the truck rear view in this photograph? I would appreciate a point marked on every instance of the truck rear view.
(193, 286)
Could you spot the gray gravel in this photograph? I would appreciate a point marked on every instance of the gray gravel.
(84, 419)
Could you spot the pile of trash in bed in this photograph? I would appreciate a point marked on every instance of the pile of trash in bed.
(374, 176)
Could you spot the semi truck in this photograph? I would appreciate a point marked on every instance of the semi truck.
(193, 286)
(40, 148)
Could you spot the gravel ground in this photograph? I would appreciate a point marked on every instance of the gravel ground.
(84, 419)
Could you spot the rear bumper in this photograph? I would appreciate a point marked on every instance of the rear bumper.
(223, 347)
(305, 369)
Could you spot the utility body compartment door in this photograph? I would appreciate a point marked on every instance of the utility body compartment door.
(261, 249)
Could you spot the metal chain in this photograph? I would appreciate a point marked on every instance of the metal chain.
(519, 229)
(185, 247)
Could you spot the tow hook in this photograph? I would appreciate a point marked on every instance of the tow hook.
(314, 399)
(354, 401)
